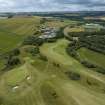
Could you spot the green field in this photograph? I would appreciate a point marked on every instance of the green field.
(14, 30)
(9, 41)
(19, 26)
(48, 84)
(93, 57)
(57, 80)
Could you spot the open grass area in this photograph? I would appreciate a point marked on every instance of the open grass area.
(14, 30)
(20, 26)
(92, 56)
(9, 41)
(16, 76)
(49, 78)
(58, 54)
(48, 84)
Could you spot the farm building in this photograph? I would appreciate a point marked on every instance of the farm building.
(48, 33)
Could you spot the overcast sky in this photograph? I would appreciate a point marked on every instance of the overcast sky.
(51, 5)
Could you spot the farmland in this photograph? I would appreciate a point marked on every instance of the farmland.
(41, 72)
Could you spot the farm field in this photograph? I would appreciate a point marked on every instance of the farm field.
(58, 23)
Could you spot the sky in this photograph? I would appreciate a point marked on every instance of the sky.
(51, 5)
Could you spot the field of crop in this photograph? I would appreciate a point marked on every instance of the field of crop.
(58, 23)
(93, 57)
(95, 18)
(77, 29)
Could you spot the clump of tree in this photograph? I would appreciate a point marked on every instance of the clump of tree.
(12, 61)
(51, 40)
(88, 64)
(91, 40)
(43, 20)
(99, 70)
(42, 57)
(60, 32)
(72, 48)
(10, 16)
(12, 58)
(33, 50)
(14, 52)
(33, 40)
(73, 75)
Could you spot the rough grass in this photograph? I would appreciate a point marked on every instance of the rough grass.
(12, 31)
(9, 41)
(20, 26)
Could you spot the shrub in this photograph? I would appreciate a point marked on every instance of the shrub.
(33, 40)
(88, 64)
(12, 61)
(43, 58)
(73, 75)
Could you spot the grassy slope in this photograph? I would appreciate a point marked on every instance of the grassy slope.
(47, 79)
(9, 41)
(15, 76)
(21, 26)
(53, 52)
(91, 56)
(12, 31)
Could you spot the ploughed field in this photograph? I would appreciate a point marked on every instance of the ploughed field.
(51, 77)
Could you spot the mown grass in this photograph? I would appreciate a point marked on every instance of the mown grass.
(50, 95)
(58, 54)
(16, 76)
(48, 84)
(92, 57)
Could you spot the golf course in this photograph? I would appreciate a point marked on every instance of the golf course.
(41, 72)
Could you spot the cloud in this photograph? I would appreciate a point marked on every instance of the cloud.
(51, 5)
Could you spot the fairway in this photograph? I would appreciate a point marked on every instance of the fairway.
(93, 57)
